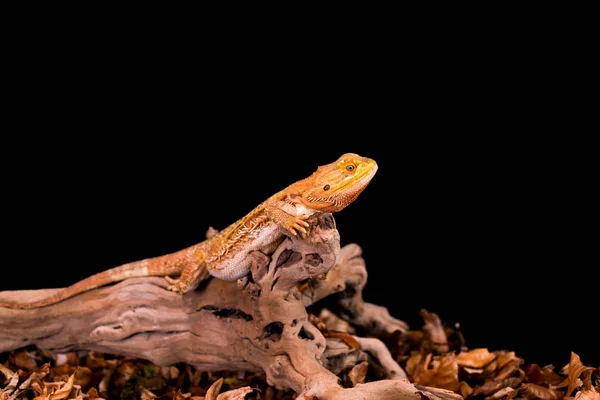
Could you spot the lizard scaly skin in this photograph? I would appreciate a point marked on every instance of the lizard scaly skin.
(225, 255)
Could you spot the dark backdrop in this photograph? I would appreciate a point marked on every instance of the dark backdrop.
(481, 210)
(485, 231)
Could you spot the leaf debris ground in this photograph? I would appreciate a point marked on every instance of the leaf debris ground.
(433, 355)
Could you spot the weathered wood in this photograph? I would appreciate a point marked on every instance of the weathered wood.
(258, 323)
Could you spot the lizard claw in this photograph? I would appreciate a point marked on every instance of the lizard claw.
(175, 285)
(298, 223)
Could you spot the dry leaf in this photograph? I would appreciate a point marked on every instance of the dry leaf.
(444, 373)
(473, 371)
(236, 394)
(346, 338)
(586, 377)
(37, 375)
(488, 388)
(533, 391)
(37, 386)
(92, 394)
(6, 372)
(64, 391)
(42, 396)
(533, 374)
(83, 376)
(105, 382)
(434, 330)
(507, 392)
(145, 394)
(477, 358)
(502, 357)
(214, 389)
(358, 373)
(507, 369)
(464, 389)
(95, 360)
(181, 396)
(412, 362)
(492, 386)
(587, 395)
(575, 368)
(13, 378)
(551, 378)
(25, 360)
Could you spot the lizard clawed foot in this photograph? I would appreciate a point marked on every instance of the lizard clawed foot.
(175, 285)
(298, 223)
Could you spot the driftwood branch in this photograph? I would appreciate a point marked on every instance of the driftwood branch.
(258, 323)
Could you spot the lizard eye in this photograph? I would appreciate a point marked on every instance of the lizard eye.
(350, 167)
(326, 187)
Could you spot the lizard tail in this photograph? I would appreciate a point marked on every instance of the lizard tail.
(147, 267)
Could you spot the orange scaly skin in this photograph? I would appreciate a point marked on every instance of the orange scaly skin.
(225, 255)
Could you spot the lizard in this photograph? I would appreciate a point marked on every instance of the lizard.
(225, 254)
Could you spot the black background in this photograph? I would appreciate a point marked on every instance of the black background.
(481, 209)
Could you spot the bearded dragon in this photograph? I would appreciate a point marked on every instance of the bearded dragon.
(226, 254)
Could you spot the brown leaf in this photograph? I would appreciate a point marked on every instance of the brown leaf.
(575, 369)
(13, 378)
(346, 338)
(434, 330)
(37, 375)
(586, 378)
(433, 393)
(214, 389)
(533, 391)
(412, 363)
(145, 394)
(181, 396)
(507, 393)
(83, 376)
(64, 391)
(37, 386)
(551, 378)
(92, 394)
(358, 373)
(587, 395)
(476, 358)
(533, 374)
(444, 373)
(25, 360)
(473, 371)
(507, 369)
(502, 357)
(494, 386)
(464, 389)
(42, 396)
(487, 388)
(236, 394)
(489, 369)
(95, 360)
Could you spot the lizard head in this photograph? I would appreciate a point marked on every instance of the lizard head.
(334, 186)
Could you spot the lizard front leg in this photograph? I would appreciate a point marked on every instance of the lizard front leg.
(276, 211)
